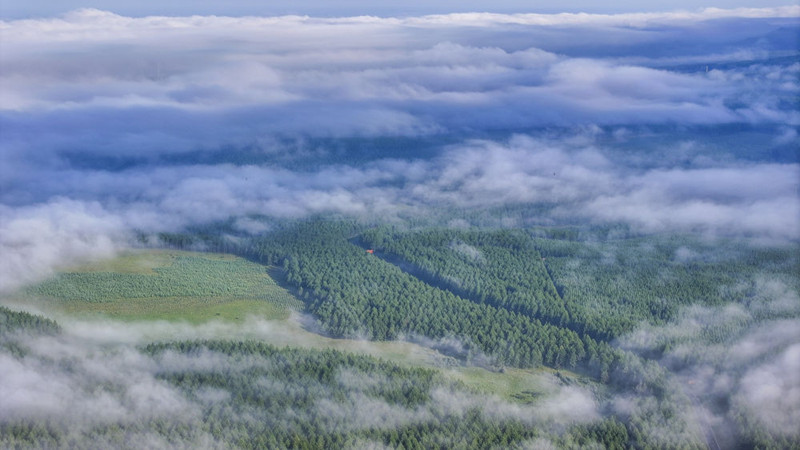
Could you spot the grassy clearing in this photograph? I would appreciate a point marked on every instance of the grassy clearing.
(189, 309)
(132, 262)
(168, 285)
(516, 385)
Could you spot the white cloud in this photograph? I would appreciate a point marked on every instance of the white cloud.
(771, 393)
(59, 381)
(580, 180)
(36, 240)
(105, 119)
(737, 363)
(405, 75)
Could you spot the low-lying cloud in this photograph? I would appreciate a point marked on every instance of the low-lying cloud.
(58, 380)
(94, 375)
(770, 393)
(35, 240)
(737, 364)
(756, 199)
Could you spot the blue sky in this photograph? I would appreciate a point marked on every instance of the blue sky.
(14, 9)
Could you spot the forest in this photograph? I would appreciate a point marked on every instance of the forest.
(249, 394)
(540, 299)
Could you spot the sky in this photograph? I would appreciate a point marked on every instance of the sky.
(45, 8)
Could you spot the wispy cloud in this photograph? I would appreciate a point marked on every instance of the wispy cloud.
(94, 375)
(578, 182)
(37, 239)
(736, 363)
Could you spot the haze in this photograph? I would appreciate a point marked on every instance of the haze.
(120, 121)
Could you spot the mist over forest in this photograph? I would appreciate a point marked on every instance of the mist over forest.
(605, 204)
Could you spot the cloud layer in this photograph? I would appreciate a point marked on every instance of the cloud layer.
(275, 72)
(113, 123)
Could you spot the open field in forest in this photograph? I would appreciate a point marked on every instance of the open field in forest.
(167, 285)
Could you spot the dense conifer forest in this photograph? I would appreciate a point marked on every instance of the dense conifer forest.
(486, 297)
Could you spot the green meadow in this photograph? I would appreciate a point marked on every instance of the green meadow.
(168, 285)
